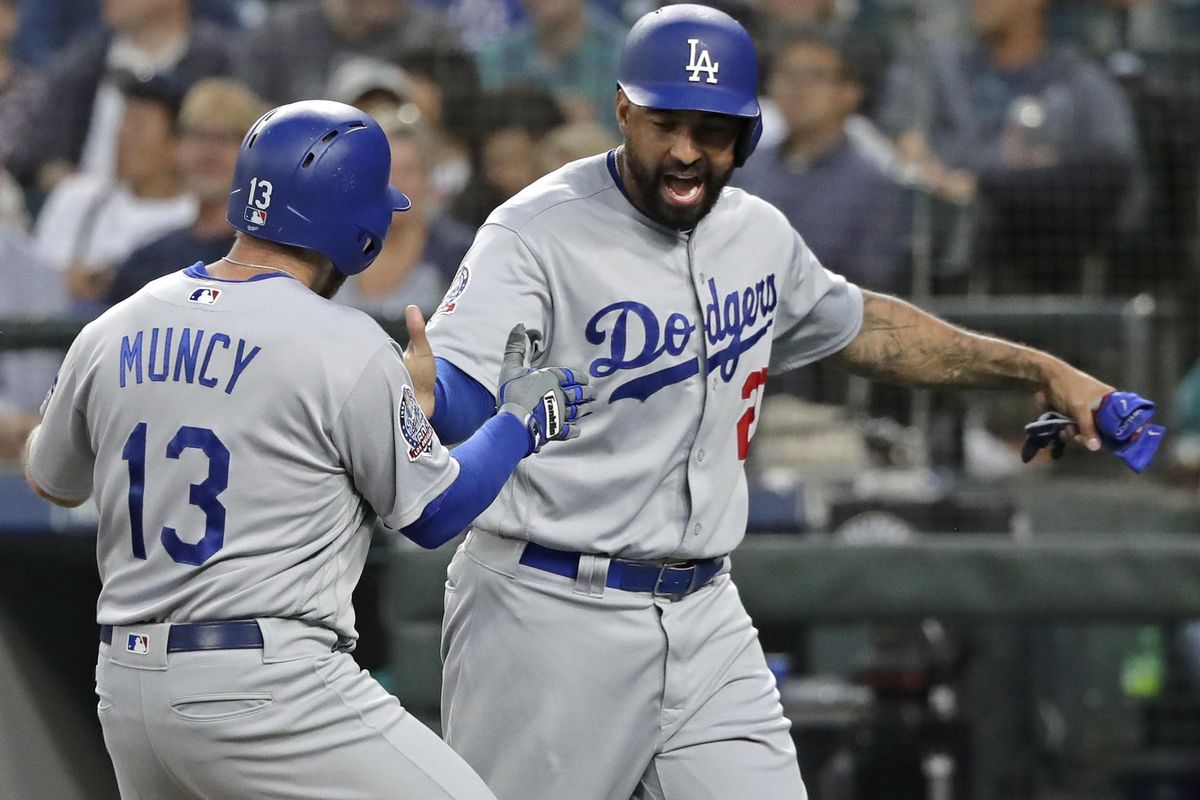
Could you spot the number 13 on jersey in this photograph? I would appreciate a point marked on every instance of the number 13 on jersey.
(203, 495)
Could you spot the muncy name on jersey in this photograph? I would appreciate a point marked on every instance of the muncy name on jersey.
(186, 355)
(733, 317)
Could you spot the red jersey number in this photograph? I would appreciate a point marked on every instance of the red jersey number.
(752, 390)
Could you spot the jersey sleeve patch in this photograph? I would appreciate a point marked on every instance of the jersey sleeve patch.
(49, 394)
(414, 426)
(457, 287)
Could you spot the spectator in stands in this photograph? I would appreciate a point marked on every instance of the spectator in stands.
(292, 55)
(1156, 26)
(573, 141)
(509, 127)
(90, 223)
(423, 249)
(1043, 138)
(47, 26)
(850, 211)
(14, 215)
(444, 86)
(565, 48)
(377, 87)
(215, 115)
(482, 21)
(21, 89)
(77, 123)
(777, 21)
(384, 91)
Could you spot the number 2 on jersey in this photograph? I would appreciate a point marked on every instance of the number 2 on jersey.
(202, 495)
(752, 388)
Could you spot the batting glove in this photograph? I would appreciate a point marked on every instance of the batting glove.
(1044, 432)
(1123, 420)
(547, 400)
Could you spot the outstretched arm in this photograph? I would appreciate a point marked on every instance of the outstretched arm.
(899, 343)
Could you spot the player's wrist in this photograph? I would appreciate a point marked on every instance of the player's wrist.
(522, 417)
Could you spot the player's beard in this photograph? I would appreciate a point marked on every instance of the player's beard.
(649, 185)
(330, 283)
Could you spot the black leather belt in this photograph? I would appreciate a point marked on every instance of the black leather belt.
(670, 580)
(183, 637)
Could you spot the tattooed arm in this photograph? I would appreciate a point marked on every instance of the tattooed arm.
(899, 343)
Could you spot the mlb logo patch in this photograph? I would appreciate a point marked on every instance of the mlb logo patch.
(255, 216)
(457, 286)
(138, 643)
(205, 295)
(417, 432)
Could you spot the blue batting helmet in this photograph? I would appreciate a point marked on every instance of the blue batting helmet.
(314, 174)
(691, 57)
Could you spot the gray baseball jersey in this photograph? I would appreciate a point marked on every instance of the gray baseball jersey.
(237, 437)
(677, 330)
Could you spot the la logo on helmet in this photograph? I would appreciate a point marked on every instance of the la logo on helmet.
(701, 63)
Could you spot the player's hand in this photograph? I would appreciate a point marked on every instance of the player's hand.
(418, 360)
(1074, 394)
(1122, 421)
(547, 400)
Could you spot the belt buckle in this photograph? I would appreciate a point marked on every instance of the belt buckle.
(679, 568)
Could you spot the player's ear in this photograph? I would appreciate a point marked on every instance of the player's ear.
(622, 106)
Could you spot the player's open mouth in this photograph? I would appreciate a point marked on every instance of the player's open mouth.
(683, 191)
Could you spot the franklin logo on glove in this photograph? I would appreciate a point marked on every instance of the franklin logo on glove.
(549, 400)
(553, 415)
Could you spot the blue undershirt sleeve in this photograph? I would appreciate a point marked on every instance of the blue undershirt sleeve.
(484, 463)
(461, 403)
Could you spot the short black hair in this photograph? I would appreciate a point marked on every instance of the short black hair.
(162, 88)
(457, 79)
(520, 106)
(852, 53)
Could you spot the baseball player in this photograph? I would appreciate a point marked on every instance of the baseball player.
(594, 645)
(240, 435)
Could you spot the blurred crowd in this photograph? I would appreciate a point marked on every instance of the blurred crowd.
(921, 147)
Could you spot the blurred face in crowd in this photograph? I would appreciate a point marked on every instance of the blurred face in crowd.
(146, 141)
(511, 160)
(207, 155)
(797, 11)
(548, 13)
(676, 162)
(426, 95)
(357, 18)
(124, 14)
(812, 91)
(8, 23)
(991, 18)
(410, 171)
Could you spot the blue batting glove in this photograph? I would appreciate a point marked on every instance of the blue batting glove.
(547, 400)
(1123, 420)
